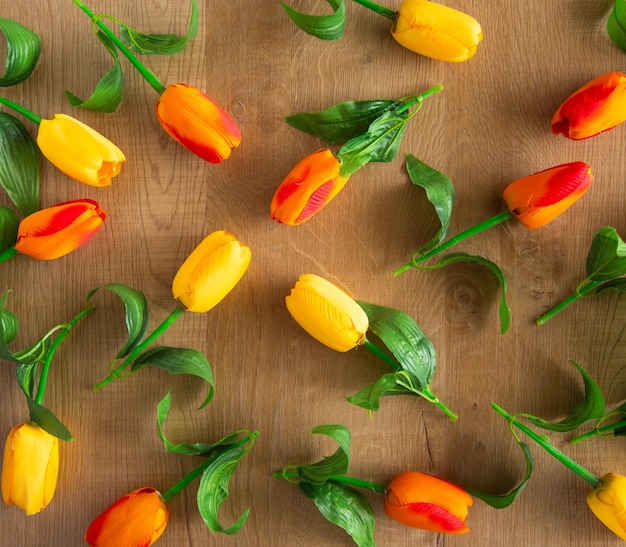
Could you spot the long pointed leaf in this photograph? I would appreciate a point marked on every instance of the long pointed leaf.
(48, 421)
(9, 225)
(23, 50)
(325, 27)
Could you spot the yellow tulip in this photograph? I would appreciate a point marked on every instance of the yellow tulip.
(210, 272)
(608, 502)
(327, 313)
(436, 31)
(79, 151)
(30, 468)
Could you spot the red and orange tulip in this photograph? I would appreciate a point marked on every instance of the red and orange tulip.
(58, 230)
(137, 519)
(427, 502)
(30, 468)
(596, 107)
(197, 122)
(309, 186)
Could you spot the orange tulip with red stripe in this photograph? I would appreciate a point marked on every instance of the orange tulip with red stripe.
(137, 519)
(197, 122)
(596, 107)
(58, 230)
(427, 502)
(309, 186)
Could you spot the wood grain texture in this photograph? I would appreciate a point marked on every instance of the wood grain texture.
(487, 127)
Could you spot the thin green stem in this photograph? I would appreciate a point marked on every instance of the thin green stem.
(381, 354)
(419, 98)
(598, 431)
(352, 481)
(381, 10)
(481, 227)
(43, 379)
(434, 399)
(167, 322)
(23, 111)
(181, 484)
(8, 253)
(565, 460)
(149, 76)
(578, 294)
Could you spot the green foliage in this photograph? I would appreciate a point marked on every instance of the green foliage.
(325, 27)
(23, 49)
(606, 259)
(9, 225)
(616, 24)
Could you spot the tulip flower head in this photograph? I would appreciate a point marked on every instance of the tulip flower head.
(309, 186)
(427, 502)
(197, 122)
(137, 519)
(596, 107)
(58, 230)
(327, 313)
(30, 468)
(210, 272)
(608, 502)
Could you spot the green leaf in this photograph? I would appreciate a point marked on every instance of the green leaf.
(404, 338)
(470, 259)
(27, 374)
(19, 164)
(439, 191)
(612, 285)
(590, 408)
(213, 489)
(137, 316)
(616, 24)
(342, 122)
(37, 351)
(345, 507)
(6, 332)
(369, 397)
(178, 361)
(379, 144)
(607, 256)
(10, 325)
(190, 449)
(108, 94)
(23, 50)
(9, 225)
(504, 500)
(48, 421)
(325, 27)
(160, 44)
(336, 464)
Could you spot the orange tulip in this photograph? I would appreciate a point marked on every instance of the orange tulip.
(427, 502)
(60, 229)
(536, 200)
(135, 520)
(308, 187)
(197, 122)
(596, 107)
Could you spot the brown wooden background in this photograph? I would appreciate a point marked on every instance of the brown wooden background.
(489, 126)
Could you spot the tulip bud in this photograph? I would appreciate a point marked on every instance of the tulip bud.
(427, 502)
(30, 468)
(197, 122)
(210, 272)
(436, 31)
(608, 502)
(596, 107)
(327, 313)
(79, 151)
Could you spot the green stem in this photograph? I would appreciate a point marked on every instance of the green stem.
(565, 460)
(434, 399)
(43, 379)
(381, 354)
(149, 76)
(419, 98)
(352, 481)
(389, 14)
(23, 111)
(167, 322)
(8, 253)
(481, 227)
(578, 294)
(181, 484)
(598, 431)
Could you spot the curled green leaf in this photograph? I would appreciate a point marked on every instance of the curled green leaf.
(325, 27)
(616, 24)
(23, 50)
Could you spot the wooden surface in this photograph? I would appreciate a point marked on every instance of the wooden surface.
(489, 126)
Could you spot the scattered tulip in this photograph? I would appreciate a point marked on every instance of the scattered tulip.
(596, 107)
(58, 230)
(30, 468)
(432, 30)
(534, 200)
(427, 502)
(210, 272)
(135, 520)
(327, 313)
(308, 187)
